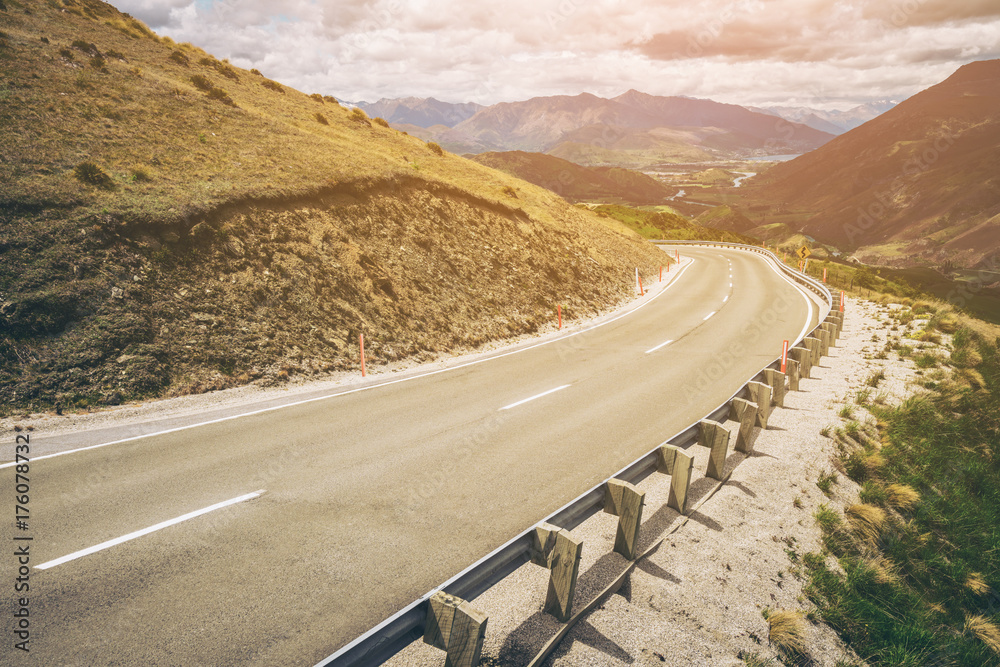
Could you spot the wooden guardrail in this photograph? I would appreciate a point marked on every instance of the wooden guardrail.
(444, 618)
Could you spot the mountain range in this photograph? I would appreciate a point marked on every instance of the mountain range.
(633, 129)
(918, 184)
(419, 111)
(832, 122)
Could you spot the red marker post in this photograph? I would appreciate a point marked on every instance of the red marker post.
(559, 310)
(841, 300)
(661, 273)
(362, 343)
(824, 275)
(784, 356)
(677, 255)
(641, 293)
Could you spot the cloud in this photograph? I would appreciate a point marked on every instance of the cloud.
(741, 51)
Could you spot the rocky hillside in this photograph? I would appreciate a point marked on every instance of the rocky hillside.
(920, 184)
(170, 223)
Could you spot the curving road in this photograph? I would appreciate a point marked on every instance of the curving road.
(372, 497)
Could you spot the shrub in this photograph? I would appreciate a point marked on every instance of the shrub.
(256, 71)
(359, 115)
(331, 99)
(45, 40)
(3, 7)
(118, 55)
(436, 149)
(202, 83)
(273, 85)
(97, 62)
(317, 97)
(381, 121)
(180, 58)
(86, 47)
(227, 71)
(66, 53)
(140, 175)
(321, 119)
(91, 174)
(222, 96)
(510, 191)
(207, 62)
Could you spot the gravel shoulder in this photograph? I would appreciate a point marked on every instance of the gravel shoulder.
(700, 596)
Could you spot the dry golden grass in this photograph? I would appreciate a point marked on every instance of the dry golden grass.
(985, 630)
(886, 571)
(866, 521)
(976, 583)
(787, 631)
(902, 496)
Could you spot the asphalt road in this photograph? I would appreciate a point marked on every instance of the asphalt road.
(372, 498)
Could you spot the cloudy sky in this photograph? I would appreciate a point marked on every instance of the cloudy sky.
(816, 53)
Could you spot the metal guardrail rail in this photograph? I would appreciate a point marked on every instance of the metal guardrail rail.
(399, 630)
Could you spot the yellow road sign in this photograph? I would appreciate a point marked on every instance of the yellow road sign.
(803, 252)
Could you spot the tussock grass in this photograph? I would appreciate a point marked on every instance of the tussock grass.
(976, 583)
(921, 590)
(985, 631)
(866, 521)
(786, 630)
(902, 496)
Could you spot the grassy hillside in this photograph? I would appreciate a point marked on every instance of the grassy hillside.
(917, 186)
(668, 225)
(909, 575)
(576, 183)
(171, 223)
(726, 218)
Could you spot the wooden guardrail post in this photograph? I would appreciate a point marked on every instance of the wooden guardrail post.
(455, 627)
(804, 357)
(625, 501)
(677, 463)
(793, 375)
(815, 347)
(715, 436)
(745, 413)
(559, 551)
(761, 394)
(837, 320)
(831, 329)
(824, 341)
(776, 379)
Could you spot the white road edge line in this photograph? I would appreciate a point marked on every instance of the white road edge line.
(147, 531)
(709, 315)
(658, 347)
(367, 388)
(526, 400)
(726, 299)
